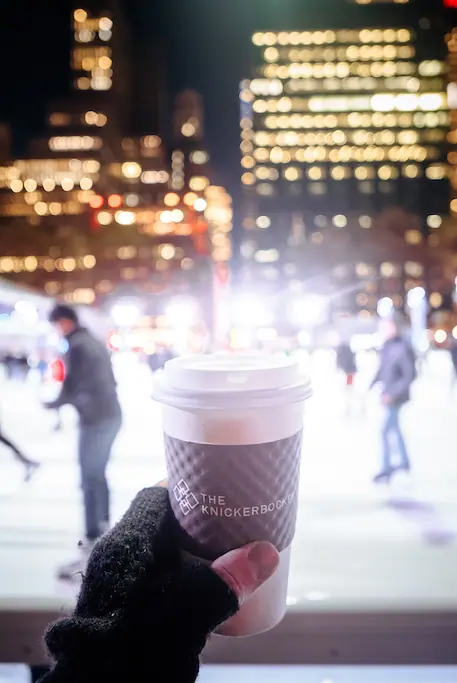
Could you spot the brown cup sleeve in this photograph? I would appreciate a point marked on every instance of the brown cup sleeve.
(226, 496)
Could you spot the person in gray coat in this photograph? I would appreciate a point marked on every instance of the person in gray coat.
(397, 372)
(89, 386)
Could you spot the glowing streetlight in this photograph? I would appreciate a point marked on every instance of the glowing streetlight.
(251, 311)
(200, 204)
(307, 310)
(416, 296)
(385, 307)
(125, 313)
(182, 312)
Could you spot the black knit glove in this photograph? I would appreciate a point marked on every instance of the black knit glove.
(143, 614)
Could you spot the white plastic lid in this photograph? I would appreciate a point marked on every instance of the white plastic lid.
(231, 380)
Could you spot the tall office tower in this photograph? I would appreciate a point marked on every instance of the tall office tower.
(345, 140)
(94, 212)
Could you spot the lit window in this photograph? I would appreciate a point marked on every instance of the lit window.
(436, 172)
(86, 183)
(383, 102)
(317, 238)
(411, 171)
(387, 172)
(105, 35)
(91, 166)
(266, 255)
(41, 208)
(16, 185)
(55, 208)
(248, 179)
(80, 16)
(104, 218)
(188, 130)
(131, 170)
(315, 173)
(318, 188)
(262, 86)
(388, 269)
(432, 101)
(436, 300)
(74, 142)
(85, 36)
(340, 221)
(59, 119)
(101, 83)
(67, 184)
(91, 118)
(198, 183)
(171, 199)
(292, 174)
(152, 142)
(248, 162)
(366, 187)
(413, 237)
(413, 269)
(271, 54)
(431, 68)
(124, 217)
(434, 221)
(105, 24)
(199, 157)
(30, 185)
(167, 251)
(153, 177)
(263, 222)
(265, 189)
(340, 172)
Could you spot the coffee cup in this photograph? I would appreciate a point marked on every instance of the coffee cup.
(233, 428)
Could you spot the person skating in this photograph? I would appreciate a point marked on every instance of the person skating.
(30, 466)
(397, 372)
(89, 386)
(346, 363)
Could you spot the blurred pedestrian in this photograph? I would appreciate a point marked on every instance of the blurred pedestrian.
(30, 466)
(453, 352)
(89, 386)
(397, 372)
(346, 363)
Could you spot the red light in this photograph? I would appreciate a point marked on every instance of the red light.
(450, 3)
(96, 201)
(115, 200)
(114, 341)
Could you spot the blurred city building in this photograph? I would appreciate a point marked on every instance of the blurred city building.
(94, 213)
(348, 160)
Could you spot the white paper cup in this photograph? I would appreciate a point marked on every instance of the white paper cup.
(233, 427)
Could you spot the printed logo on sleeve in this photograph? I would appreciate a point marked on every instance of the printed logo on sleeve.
(184, 496)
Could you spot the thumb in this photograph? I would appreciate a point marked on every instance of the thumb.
(246, 569)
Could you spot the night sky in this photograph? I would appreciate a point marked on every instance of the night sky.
(207, 43)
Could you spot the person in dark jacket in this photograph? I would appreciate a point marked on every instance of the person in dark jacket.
(346, 363)
(453, 352)
(397, 372)
(145, 611)
(345, 360)
(89, 386)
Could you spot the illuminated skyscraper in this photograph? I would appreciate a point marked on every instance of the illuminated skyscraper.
(345, 137)
(93, 213)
